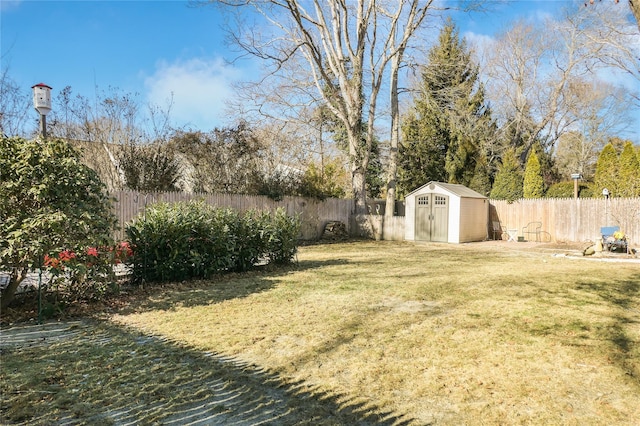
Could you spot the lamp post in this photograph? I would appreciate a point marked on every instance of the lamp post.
(575, 177)
(42, 104)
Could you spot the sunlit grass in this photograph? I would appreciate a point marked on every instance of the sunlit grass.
(432, 333)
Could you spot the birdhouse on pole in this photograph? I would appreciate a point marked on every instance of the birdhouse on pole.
(42, 98)
(42, 104)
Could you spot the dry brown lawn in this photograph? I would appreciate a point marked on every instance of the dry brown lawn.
(373, 333)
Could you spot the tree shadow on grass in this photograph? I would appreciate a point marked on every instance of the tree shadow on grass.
(166, 296)
(98, 373)
(624, 294)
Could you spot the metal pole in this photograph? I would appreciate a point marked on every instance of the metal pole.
(40, 290)
(43, 126)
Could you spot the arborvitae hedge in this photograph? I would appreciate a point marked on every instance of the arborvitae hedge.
(508, 183)
(607, 171)
(533, 186)
(629, 172)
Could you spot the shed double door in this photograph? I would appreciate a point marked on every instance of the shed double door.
(432, 217)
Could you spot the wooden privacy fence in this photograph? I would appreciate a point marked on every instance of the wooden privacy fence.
(313, 213)
(569, 219)
(562, 219)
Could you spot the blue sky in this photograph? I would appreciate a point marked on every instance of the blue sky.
(152, 48)
(156, 49)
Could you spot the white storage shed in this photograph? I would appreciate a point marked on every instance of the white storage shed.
(446, 212)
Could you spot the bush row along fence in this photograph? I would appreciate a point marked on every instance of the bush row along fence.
(314, 214)
(562, 219)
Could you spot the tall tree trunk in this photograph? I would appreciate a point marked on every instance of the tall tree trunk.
(392, 170)
(359, 192)
(358, 170)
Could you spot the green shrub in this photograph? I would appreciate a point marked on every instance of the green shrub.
(178, 241)
(560, 190)
(587, 191)
(193, 240)
(565, 190)
(509, 179)
(282, 238)
(85, 274)
(629, 172)
(50, 202)
(607, 171)
(248, 236)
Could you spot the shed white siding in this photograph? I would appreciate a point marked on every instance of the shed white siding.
(454, 221)
(474, 219)
(468, 212)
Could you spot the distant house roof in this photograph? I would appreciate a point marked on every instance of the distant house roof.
(457, 189)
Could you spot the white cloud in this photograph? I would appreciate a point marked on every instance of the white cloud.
(481, 44)
(199, 87)
(6, 5)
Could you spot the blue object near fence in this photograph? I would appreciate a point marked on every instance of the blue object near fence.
(610, 242)
(608, 231)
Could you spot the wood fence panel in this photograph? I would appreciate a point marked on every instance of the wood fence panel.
(569, 219)
(393, 229)
(313, 213)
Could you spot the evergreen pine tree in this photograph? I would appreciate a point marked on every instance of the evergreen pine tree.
(449, 119)
(508, 183)
(481, 181)
(629, 172)
(420, 159)
(607, 171)
(533, 186)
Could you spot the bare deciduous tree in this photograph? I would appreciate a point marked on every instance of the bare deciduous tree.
(532, 67)
(111, 130)
(599, 111)
(346, 49)
(14, 106)
(634, 5)
(397, 43)
(102, 127)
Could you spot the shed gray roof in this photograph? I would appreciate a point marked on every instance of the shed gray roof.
(457, 189)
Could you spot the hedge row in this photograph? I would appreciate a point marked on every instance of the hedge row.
(179, 241)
